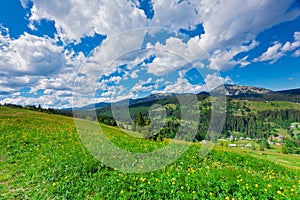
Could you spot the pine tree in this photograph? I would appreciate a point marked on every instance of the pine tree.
(140, 119)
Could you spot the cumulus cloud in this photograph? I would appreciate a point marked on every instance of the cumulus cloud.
(143, 86)
(134, 74)
(183, 86)
(223, 60)
(278, 50)
(30, 55)
(175, 14)
(175, 55)
(75, 19)
(214, 80)
(297, 53)
(272, 54)
(290, 46)
(231, 23)
(230, 28)
(33, 62)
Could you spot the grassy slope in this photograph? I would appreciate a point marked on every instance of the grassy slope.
(259, 105)
(41, 157)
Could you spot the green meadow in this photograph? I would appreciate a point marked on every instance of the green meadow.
(42, 157)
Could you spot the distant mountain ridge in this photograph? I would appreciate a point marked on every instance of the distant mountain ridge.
(234, 90)
(231, 91)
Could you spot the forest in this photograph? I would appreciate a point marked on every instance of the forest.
(252, 119)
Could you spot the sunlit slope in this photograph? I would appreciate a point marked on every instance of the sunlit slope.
(42, 157)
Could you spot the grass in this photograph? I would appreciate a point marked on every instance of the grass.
(259, 105)
(42, 157)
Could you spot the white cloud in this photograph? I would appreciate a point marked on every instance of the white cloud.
(30, 55)
(297, 53)
(290, 46)
(272, 54)
(46, 101)
(174, 15)
(39, 63)
(183, 86)
(278, 50)
(75, 19)
(223, 60)
(233, 22)
(230, 24)
(134, 74)
(213, 80)
(144, 86)
(175, 55)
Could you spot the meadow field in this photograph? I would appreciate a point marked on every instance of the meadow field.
(42, 157)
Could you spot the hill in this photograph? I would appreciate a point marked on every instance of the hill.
(231, 91)
(42, 157)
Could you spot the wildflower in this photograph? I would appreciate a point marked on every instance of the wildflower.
(279, 192)
(210, 194)
(142, 179)
(256, 185)
(269, 185)
(227, 198)
(121, 192)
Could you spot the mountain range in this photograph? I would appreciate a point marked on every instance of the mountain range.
(231, 91)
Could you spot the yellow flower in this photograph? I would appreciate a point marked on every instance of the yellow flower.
(256, 185)
(210, 194)
(269, 185)
(121, 192)
(194, 192)
(278, 192)
(227, 198)
(142, 179)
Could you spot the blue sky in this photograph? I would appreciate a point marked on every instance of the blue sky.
(103, 50)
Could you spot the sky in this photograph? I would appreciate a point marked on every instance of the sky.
(69, 53)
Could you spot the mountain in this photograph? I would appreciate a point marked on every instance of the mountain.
(232, 91)
(90, 106)
(236, 91)
(290, 92)
(152, 97)
(260, 94)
